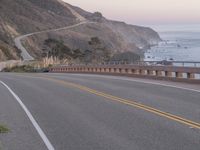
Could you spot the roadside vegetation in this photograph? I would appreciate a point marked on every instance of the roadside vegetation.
(3, 129)
(20, 69)
(56, 52)
(55, 48)
(26, 69)
(96, 54)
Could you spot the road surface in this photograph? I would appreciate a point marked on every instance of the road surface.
(96, 112)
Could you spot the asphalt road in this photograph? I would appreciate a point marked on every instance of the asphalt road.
(94, 112)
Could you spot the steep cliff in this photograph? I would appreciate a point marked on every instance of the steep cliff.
(18, 17)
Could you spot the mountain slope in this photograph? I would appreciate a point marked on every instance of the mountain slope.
(26, 16)
(18, 17)
(141, 36)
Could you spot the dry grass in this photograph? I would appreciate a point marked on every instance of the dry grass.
(31, 66)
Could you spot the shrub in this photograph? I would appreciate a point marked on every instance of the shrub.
(3, 129)
(24, 68)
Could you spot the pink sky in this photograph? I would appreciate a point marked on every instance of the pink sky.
(145, 11)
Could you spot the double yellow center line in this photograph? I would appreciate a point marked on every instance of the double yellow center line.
(127, 102)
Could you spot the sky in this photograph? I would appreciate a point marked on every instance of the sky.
(145, 12)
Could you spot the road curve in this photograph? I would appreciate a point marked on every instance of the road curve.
(18, 40)
(24, 53)
(100, 112)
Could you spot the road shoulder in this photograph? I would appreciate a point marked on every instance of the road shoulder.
(22, 134)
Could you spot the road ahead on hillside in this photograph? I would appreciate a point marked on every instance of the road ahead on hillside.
(94, 112)
(18, 40)
(24, 53)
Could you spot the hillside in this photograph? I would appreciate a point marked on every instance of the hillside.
(140, 36)
(18, 17)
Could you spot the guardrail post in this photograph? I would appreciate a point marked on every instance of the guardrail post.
(130, 71)
(150, 72)
(118, 70)
(168, 73)
(158, 73)
(191, 75)
(133, 69)
(143, 72)
(107, 70)
(123, 71)
(179, 75)
(136, 71)
(112, 70)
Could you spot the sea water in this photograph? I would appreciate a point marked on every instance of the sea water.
(180, 43)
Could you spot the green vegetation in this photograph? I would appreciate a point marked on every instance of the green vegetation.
(98, 14)
(99, 52)
(96, 54)
(3, 129)
(26, 69)
(58, 49)
(20, 69)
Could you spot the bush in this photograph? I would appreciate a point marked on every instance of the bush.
(3, 129)
(24, 68)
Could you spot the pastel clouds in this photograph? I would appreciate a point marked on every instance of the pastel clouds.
(145, 11)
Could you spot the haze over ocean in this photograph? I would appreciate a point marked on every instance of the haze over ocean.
(180, 43)
(144, 12)
(177, 22)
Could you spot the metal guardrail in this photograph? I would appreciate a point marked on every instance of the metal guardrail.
(142, 63)
(173, 63)
(164, 63)
(170, 72)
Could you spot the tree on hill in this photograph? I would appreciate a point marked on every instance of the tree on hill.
(58, 49)
(99, 52)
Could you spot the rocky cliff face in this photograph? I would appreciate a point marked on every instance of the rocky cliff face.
(18, 17)
(141, 37)
(25, 16)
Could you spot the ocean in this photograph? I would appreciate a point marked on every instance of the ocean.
(180, 43)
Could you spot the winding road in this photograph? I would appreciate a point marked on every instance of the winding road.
(96, 112)
(18, 40)
(24, 53)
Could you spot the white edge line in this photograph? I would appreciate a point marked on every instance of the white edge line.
(146, 82)
(30, 116)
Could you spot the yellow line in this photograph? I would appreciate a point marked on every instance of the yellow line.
(127, 102)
